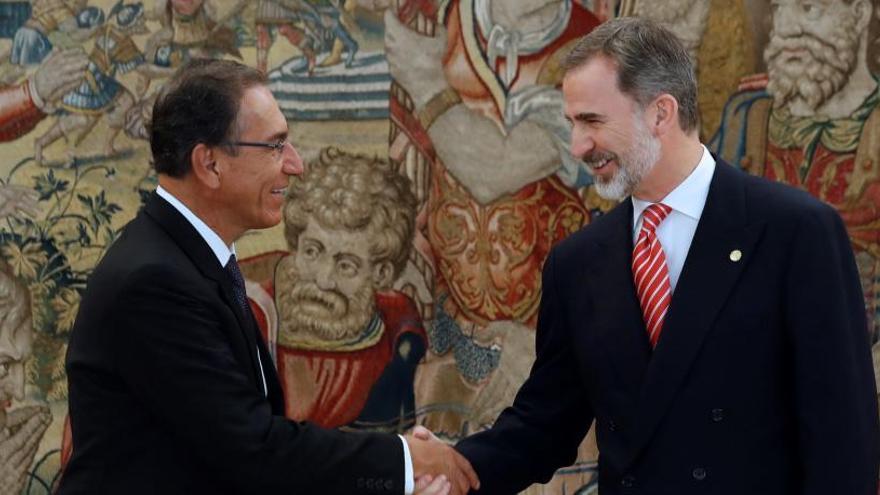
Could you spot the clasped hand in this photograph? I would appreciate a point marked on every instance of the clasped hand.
(438, 468)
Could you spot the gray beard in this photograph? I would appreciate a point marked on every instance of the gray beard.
(633, 165)
(830, 65)
(306, 311)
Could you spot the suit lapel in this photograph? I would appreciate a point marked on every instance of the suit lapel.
(619, 325)
(706, 281)
(201, 255)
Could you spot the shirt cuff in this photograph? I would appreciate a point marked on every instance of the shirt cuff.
(35, 97)
(409, 484)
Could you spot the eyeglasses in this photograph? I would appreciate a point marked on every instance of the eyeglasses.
(277, 147)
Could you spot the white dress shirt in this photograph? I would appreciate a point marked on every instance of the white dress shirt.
(221, 250)
(223, 253)
(677, 231)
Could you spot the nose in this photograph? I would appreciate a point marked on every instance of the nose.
(581, 142)
(786, 22)
(293, 164)
(12, 385)
(324, 276)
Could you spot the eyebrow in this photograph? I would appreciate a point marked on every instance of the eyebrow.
(279, 136)
(351, 257)
(313, 241)
(586, 116)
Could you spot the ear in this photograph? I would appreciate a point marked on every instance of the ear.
(662, 114)
(204, 166)
(383, 275)
(863, 10)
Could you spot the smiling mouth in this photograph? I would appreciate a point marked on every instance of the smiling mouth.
(279, 190)
(599, 164)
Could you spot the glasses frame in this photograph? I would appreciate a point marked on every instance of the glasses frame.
(277, 147)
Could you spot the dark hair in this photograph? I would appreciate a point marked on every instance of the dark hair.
(650, 61)
(199, 105)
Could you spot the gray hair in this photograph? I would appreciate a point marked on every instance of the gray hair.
(650, 60)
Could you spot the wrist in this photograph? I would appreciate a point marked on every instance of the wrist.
(31, 88)
(436, 106)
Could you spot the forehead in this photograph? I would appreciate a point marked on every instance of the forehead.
(341, 240)
(258, 115)
(592, 88)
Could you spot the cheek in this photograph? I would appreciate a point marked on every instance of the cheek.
(304, 268)
(10, 382)
(353, 286)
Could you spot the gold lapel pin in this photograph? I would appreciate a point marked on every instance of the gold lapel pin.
(736, 255)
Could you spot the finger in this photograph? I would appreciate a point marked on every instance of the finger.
(24, 456)
(30, 194)
(24, 436)
(28, 204)
(22, 414)
(68, 80)
(422, 433)
(72, 69)
(30, 211)
(71, 59)
(422, 482)
(25, 444)
(440, 486)
(468, 470)
(70, 77)
(460, 482)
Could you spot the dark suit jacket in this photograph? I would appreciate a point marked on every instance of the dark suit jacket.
(165, 390)
(761, 382)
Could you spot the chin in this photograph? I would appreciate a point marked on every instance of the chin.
(269, 220)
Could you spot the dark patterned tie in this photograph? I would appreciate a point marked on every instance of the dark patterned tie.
(240, 295)
(238, 290)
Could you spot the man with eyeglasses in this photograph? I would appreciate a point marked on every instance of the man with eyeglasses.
(171, 388)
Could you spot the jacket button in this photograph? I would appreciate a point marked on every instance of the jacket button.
(717, 415)
(699, 474)
(613, 426)
(389, 485)
(360, 483)
(628, 481)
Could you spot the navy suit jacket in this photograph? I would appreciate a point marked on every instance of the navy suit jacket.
(165, 388)
(761, 382)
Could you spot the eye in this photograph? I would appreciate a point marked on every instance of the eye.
(811, 10)
(347, 268)
(4, 369)
(311, 252)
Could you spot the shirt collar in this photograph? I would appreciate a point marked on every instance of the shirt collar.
(221, 250)
(689, 197)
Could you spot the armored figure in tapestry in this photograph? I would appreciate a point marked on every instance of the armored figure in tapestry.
(100, 94)
(479, 128)
(477, 124)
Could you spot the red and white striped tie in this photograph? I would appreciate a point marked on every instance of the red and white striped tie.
(650, 272)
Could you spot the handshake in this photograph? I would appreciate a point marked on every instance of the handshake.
(437, 467)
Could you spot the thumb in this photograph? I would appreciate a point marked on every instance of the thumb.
(423, 433)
